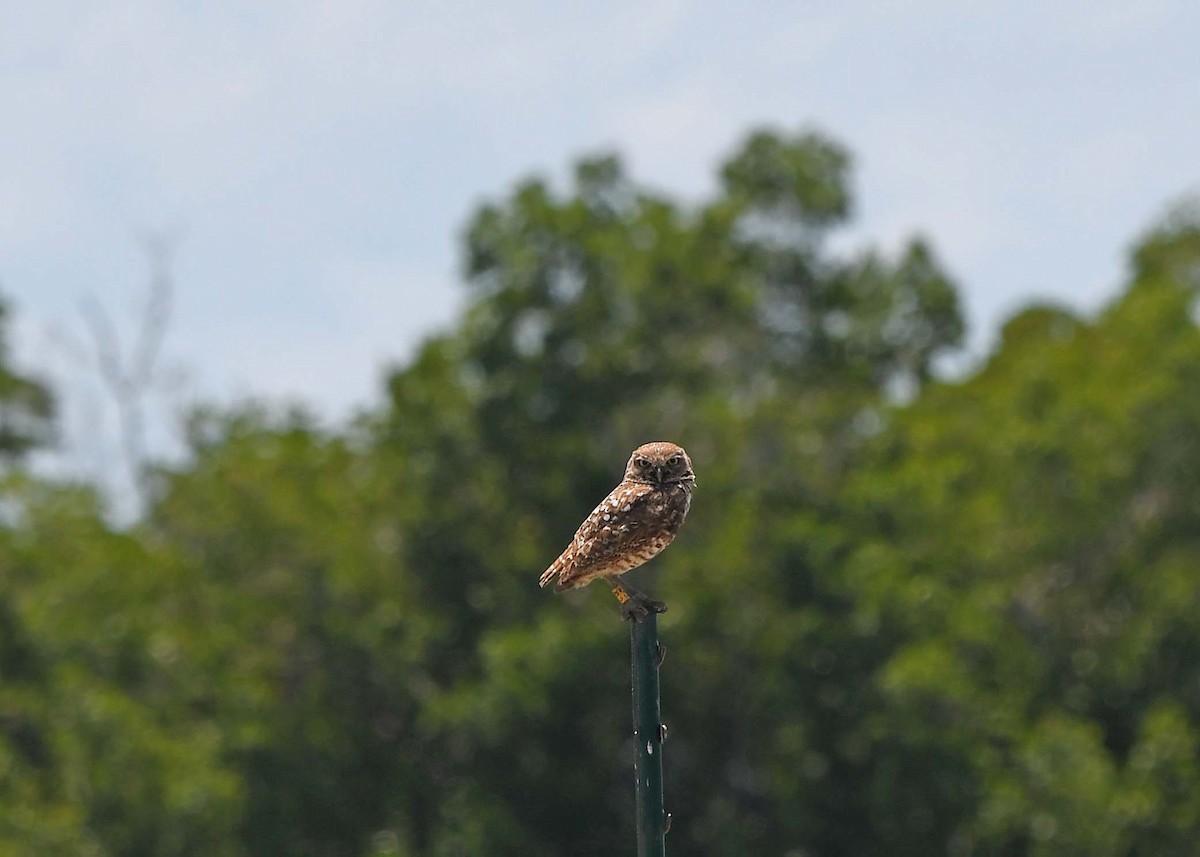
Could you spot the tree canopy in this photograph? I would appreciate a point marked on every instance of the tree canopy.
(909, 615)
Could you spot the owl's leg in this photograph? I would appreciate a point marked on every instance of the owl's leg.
(635, 605)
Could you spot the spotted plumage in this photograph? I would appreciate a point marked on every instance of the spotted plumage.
(639, 518)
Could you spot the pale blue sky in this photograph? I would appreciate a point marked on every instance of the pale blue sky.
(320, 158)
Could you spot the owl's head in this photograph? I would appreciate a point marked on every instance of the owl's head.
(660, 463)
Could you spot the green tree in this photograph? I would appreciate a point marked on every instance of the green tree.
(909, 616)
(599, 319)
(97, 754)
(1034, 558)
(26, 408)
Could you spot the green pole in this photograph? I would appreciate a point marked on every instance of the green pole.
(648, 736)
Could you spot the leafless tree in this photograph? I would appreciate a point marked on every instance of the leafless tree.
(128, 374)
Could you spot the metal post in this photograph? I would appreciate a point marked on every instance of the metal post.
(648, 736)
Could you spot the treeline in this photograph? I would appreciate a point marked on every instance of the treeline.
(908, 616)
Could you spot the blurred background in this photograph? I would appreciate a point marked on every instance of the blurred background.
(325, 325)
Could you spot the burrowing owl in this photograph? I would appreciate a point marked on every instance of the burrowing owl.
(633, 523)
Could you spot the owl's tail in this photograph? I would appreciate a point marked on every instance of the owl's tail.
(548, 575)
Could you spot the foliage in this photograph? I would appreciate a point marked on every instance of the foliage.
(26, 407)
(908, 615)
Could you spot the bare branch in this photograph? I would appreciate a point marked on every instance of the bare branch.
(160, 248)
(130, 376)
(105, 342)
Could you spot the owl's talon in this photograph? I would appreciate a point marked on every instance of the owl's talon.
(634, 611)
(639, 606)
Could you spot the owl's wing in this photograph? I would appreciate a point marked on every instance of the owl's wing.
(605, 542)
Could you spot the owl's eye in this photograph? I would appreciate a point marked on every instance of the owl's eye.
(674, 460)
(641, 462)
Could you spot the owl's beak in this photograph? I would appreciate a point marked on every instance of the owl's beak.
(658, 474)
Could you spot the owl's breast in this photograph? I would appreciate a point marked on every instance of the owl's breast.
(671, 506)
